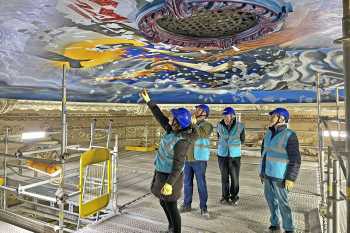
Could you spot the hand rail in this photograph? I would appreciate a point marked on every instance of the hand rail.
(336, 151)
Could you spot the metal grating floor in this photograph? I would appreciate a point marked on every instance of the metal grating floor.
(8, 228)
(251, 215)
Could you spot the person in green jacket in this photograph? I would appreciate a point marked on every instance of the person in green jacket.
(197, 160)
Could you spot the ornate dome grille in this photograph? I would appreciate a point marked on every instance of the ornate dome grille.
(210, 24)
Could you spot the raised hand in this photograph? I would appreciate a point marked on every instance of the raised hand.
(145, 96)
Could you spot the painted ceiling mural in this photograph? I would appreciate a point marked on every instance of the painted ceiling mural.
(182, 51)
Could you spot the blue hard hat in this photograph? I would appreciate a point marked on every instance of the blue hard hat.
(229, 111)
(204, 107)
(281, 112)
(182, 116)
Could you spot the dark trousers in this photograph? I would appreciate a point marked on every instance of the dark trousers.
(172, 214)
(229, 168)
(197, 168)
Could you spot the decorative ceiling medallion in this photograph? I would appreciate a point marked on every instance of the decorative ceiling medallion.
(211, 23)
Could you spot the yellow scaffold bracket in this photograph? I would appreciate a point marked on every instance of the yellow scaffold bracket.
(94, 156)
(330, 188)
(140, 148)
(2, 181)
(348, 193)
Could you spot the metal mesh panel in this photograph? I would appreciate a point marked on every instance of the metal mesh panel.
(8, 228)
(96, 181)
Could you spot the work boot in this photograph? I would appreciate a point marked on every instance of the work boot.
(273, 229)
(205, 213)
(235, 200)
(224, 201)
(170, 230)
(184, 208)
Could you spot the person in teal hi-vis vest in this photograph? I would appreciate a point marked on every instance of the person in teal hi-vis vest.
(197, 161)
(231, 135)
(169, 160)
(279, 168)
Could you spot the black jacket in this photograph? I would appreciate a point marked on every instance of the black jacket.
(293, 152)
(175, 178)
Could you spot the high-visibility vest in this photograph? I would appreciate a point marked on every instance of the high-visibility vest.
(202, 148)
(165, 155)
(275, 153)
(229, 142)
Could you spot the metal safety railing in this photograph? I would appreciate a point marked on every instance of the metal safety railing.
(333, 169)
(88, 187)
(334, 192)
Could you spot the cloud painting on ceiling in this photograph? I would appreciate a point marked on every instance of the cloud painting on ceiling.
(183, 51)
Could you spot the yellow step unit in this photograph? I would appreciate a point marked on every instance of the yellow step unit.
(140, 148)
(92, 162)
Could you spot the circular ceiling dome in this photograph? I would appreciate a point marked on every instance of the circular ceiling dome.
(219, 23)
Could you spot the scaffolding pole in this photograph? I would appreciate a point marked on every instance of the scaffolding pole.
(63, 150)
(321, 159)
(329, 191)
(109, 133)
(337, 102)
(92, 132)
(115, 159)
(346, 60)
(5, 171)
(336, 196)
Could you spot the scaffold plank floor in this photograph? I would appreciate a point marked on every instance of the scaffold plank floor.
(250, 215)
(9, 228)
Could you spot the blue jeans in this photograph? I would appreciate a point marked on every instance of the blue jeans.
(197, 168)
(277, 199)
